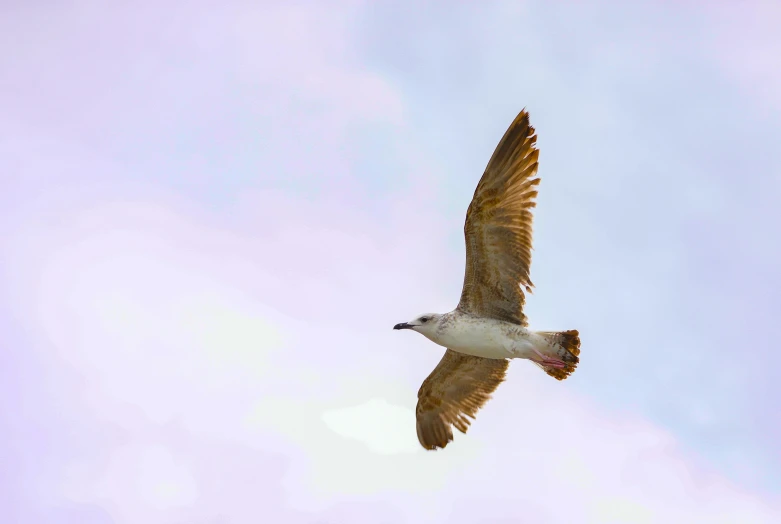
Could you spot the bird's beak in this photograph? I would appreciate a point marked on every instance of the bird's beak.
(403, 325)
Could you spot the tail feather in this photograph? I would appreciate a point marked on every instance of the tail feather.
(565, 346)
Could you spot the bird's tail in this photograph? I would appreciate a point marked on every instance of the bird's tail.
(564, 347)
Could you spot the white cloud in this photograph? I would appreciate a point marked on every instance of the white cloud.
(384, 428)
(161, 328)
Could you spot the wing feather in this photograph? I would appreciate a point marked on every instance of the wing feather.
(453, 393)
(498, 228)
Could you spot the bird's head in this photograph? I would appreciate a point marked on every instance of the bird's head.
(425, 324)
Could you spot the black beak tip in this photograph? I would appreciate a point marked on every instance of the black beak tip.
(402, 325)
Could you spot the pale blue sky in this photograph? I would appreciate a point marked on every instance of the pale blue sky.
(662, 177)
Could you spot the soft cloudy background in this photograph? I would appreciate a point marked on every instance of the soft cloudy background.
(211, 214)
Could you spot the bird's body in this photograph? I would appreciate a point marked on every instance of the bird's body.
(489, 327)
(485, 337)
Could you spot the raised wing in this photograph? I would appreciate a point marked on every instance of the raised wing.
(498, 228)
(456, 389)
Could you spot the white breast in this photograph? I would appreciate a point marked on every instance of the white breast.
(484, 337)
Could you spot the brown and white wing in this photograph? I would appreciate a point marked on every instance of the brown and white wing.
(456, 389)
(498, 228)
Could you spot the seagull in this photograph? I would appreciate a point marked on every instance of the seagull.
(488, 327)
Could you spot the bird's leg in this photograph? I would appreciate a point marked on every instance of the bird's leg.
(547, 361)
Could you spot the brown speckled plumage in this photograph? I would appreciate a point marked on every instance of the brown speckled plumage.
(498, 233)
(498, 228)
(456, 389)
(568, 345)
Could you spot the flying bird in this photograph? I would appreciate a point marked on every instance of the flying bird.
(488, 327)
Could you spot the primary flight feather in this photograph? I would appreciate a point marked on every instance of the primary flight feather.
(488, 326)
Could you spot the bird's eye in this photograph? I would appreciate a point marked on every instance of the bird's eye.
(424, 319)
